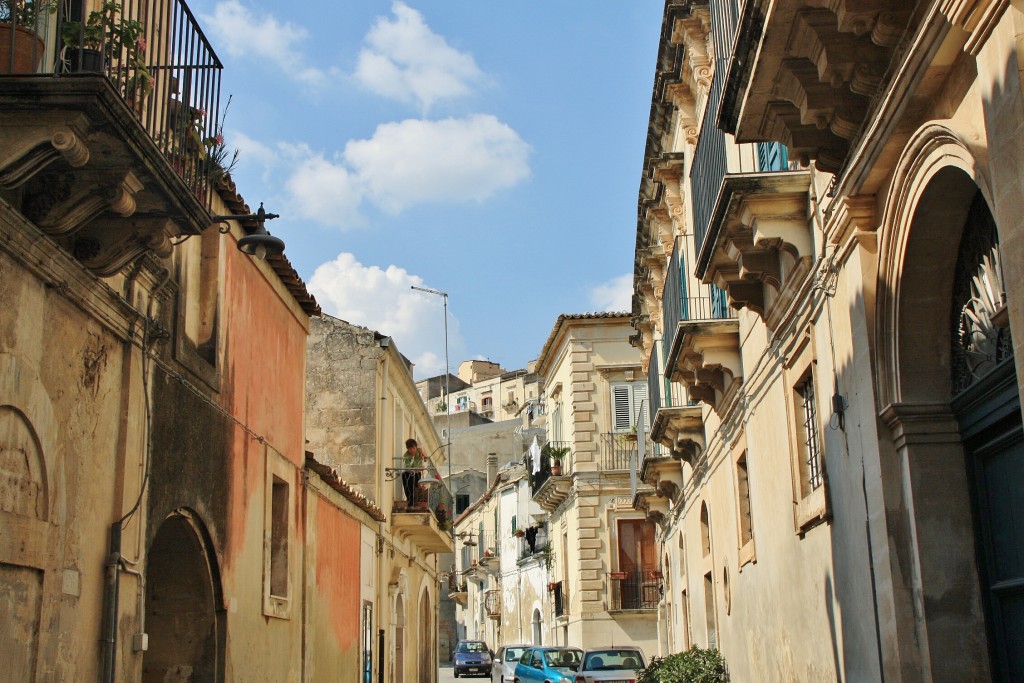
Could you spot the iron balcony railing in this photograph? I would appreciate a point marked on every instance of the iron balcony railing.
(658, 391)
(709, 162)
(538, 478)
(155, 55)
(618, 449)
(635, 590)
(434, 497)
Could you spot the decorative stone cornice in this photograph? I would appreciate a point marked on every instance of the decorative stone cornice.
(759, 239)
(853, 217)
(804, 74)
(88, 175)
(681, 430)
(706, 359)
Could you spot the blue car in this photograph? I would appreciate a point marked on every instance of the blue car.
(472, 657)
(548, 665)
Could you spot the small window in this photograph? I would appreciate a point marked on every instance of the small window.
(629, 406)
(811, 450)
(461, 502)
(279, 539)
(807, 448)
(744, 516)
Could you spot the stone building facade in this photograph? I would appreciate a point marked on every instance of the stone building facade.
(604, 572)
(824, 299)
(361, 406)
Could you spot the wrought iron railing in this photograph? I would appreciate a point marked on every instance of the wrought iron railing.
(635, 590)
(618, 449)
(709, 163)
(155, 55)
(565, 464)
(658, 392)
(433, 497)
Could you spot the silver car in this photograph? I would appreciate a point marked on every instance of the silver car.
(610, 665)
(505, 659)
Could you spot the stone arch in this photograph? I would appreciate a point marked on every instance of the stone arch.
(28, 427)
(182, 578)
(932, 529)
(427, 665)
(933, 185)
(537, 624)
(399, 642)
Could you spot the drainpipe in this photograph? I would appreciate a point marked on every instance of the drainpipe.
(111, 592)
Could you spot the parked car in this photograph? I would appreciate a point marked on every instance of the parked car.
(472, 657)
(617, 664)
(504, 663)
(548, 665)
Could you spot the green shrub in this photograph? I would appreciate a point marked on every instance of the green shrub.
(694, 666)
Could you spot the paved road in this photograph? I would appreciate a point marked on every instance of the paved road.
(445, 675)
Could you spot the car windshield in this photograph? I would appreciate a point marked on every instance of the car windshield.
(563, 659)
(472, 646)
(514, 653)
(612, 660)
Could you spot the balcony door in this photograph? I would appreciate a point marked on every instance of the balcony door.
(639, 589)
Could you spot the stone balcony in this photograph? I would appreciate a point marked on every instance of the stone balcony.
(759, 241)
(805, 73)
(420, 526)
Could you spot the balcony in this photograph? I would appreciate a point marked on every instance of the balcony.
(759, 245)
(634, 591)
(680, 429)
(106, 133)
(808, 75)
(427, 518)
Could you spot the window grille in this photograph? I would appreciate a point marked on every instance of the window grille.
(812, 451)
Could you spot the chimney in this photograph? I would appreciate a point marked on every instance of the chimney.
(492, 467)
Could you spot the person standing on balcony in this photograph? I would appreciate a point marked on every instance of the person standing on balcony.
(413, 459)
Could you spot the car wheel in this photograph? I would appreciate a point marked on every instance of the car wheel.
(456, 673)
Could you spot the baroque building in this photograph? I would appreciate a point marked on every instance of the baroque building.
(827, 242)
(605, 577)
(153, 461)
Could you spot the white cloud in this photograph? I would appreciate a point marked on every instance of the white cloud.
(416, 161)
(381, 299)
(406, 61)
(325, 192)
(243, 35)
(401, 165)
(613, 295)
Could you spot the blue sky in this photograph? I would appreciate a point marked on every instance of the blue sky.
(489, 149)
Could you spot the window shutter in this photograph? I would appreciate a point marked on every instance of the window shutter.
(640, 403)
(622, 408)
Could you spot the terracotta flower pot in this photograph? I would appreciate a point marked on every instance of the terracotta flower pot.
(27, 46)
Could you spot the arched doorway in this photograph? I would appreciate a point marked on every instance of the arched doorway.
(182, 606)
(399, 675)
(951, 394)
(537, 628)
(428, 639)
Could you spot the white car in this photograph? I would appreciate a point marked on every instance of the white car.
(505, 660)
(611, 665)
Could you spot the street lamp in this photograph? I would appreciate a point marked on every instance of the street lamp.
(447, 393)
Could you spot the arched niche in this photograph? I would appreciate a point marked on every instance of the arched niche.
(184, 606)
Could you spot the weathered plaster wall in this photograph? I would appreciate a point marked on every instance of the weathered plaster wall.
(341, 399)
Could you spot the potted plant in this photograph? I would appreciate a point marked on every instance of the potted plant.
(107, 38)
(518, 533)
(20, 23)
(555, 454)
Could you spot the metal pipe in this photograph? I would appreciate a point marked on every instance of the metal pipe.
(110, 605)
